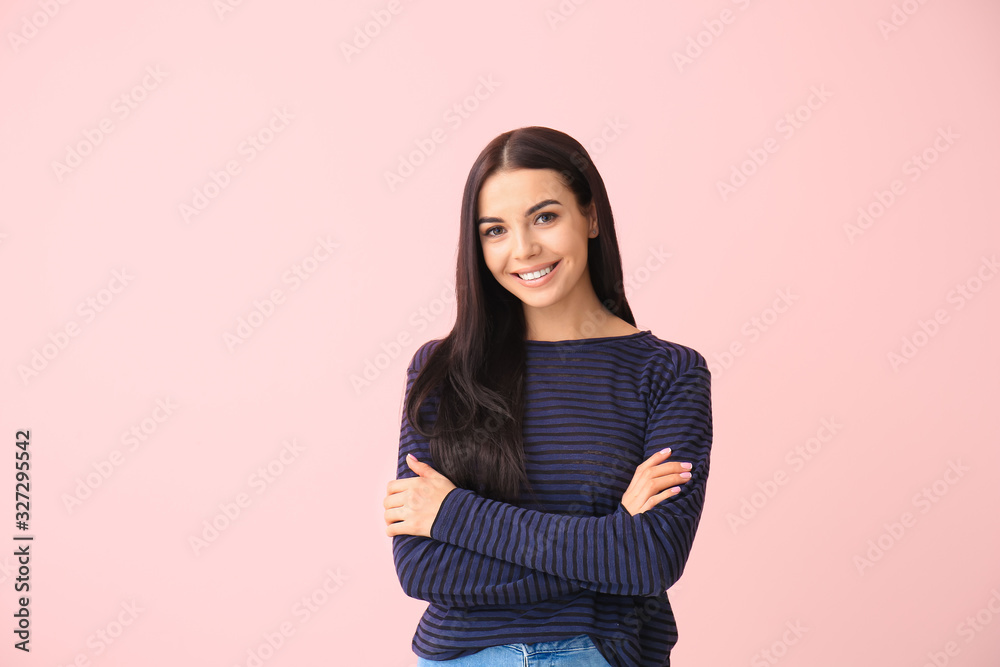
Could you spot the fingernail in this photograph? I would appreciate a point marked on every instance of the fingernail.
(675, 489)
(411, 456)
(685, 475)
(686, 466)
(665, 451)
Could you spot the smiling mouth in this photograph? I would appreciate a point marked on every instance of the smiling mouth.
(535, 275)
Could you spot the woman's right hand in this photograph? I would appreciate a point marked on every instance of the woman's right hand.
(655, 479)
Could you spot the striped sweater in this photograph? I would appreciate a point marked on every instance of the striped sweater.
(574, 561)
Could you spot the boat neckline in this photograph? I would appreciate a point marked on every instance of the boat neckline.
(578, 341)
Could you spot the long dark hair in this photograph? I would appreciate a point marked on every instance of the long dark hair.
(479, 367)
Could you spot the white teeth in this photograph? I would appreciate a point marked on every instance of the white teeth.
(536, 275)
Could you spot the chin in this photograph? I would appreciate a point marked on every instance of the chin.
(536, 301)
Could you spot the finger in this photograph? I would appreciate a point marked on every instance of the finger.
(400, 484)
(399, 528)
(668, 467)
(663, 487)
(419, 467)
(671, 479)
(658, 456)
(659, 497)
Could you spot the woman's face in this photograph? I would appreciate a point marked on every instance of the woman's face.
(529, 221)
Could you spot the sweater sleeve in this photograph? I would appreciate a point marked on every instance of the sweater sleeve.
(451, 575)
(619, 553)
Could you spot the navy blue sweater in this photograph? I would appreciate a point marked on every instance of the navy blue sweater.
(575, 561)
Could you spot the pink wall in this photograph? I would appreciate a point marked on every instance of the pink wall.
(171, 170)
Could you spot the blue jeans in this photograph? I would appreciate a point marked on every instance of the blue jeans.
(576, 652)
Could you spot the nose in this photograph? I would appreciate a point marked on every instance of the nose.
(525, 244)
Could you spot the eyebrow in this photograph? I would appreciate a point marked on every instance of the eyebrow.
(531, 210)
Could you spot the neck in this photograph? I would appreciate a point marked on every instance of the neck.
(579, 315)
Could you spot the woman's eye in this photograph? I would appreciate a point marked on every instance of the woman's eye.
(491, 229)
(551, 215)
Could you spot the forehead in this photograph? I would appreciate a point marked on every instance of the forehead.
(518, 189)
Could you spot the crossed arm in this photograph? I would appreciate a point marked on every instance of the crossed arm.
(486, 552)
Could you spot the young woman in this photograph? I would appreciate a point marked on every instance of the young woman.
(534, 506)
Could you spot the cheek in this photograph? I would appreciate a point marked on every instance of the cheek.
(492, 260)
(577, 250)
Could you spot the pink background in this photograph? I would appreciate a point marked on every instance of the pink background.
(895, 78)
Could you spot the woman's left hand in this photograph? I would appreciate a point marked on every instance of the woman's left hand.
(412, 504)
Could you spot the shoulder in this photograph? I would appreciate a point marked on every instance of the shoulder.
(665, 362)
(423, 353)
(677, 358)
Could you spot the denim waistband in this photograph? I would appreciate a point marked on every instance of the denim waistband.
(578, 643)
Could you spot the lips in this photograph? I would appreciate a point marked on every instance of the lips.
(541, 282)
(535, 268)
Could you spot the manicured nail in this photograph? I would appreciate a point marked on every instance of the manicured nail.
(686, 465)
(665, 451)
(685, 475)
(411, 456)
(675, 489)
